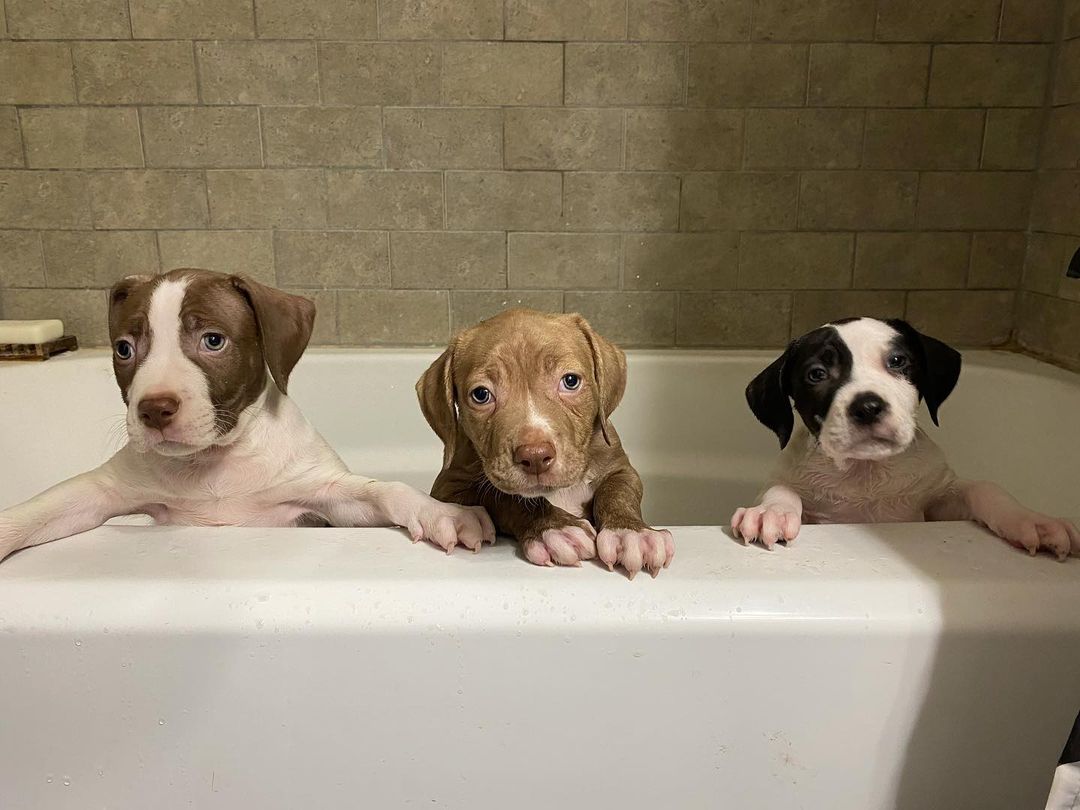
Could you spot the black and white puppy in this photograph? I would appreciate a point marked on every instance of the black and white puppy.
(859, 456)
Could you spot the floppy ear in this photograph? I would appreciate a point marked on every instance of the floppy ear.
(284, 322)
(435, 390)
(938, 366)
(120, 292)
(768, 397)
(609, 372)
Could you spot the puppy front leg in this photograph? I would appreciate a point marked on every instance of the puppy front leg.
(73, 506)
(1001, 513)
(778, 517)
(624, 538)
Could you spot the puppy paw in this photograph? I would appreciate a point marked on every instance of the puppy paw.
(449, 525)
(765, 524)
(1033, 532)
(565, 545)
(634, 549)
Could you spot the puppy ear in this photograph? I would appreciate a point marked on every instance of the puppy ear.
(938, 365)
(609, 372)
(119, 293)
(768, 397)
(284, 322)
(435, 390)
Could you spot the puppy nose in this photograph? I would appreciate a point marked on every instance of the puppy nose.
(535, 458)
(158, 412)
(866, 409)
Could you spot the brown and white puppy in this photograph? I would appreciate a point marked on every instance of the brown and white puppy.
(859, 456)
(521, 402)
(203, 362)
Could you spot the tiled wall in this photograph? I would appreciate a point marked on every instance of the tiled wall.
(1048, 317)
(683, 172)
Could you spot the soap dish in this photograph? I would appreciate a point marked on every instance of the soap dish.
(38, 351)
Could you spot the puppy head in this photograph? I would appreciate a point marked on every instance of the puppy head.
(856, 384)
(530, 391)
(191, 349)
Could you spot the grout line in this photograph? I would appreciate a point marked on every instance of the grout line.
(142, 137)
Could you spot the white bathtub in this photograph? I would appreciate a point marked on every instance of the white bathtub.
(909, 666)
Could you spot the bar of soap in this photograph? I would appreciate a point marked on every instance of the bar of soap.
(32, 332)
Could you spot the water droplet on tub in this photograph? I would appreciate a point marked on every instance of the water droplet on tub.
(67, 781)
(49, 778)
(78, 643)
(160, 722)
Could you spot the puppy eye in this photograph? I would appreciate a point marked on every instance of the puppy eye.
(817, 374)
(570, 382)
(480, 395)
(124, 350)
(214, 342)
(896, 362)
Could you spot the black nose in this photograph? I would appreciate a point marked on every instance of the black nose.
(867, 408)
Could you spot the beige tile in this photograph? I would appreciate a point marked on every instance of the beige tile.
(97, 258)
(502, 73)
(201, 137)
(332, 258)
(1071, 27)
(134, 72)
(803, 139)
(929, 260)
(963, 317)
(36, 73)
(443, 138)
(997, 260)
(551, 138)
(814, 308)
(192, 19)
(83, 312)
(620, 201)
(723, 201)
(258, 72)
(814, 20)
(1048, 326)
(1061, 147)
(153, 198)
(1067, 76)
(681, 261)
(581, 261)
(30, 199)
(684, 139)
(508, 200)
(747, 75)
(469, 307)
(613, 74)
(1046, 260)
(857, 75)
(993, 201)
(463, 261)
(395, 200)
(1029, 20)
(322, 136)
(268, 198)
(379, 72)
(248, 253)
(317, 19)
(1056, 204)
(923, 139)
(11, 147)
(734, 319)
(393, 317)
(989, 75)
(81, 137)
(1012, 139)
(555, 20)
(689, 20)
(441, 19)
(932, 21)
(627, 318)
(325, 332)
(795, 261)
(68, 19)
(21, 263)
(3, 35)
(857, 200)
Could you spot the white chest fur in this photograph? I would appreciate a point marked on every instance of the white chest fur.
(573, 499)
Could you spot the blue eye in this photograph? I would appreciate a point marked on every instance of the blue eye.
(480, 395)
(213, 342)
(124, 350)
(570, 382)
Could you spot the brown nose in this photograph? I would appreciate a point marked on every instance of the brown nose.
(158, 412)
(535, 458)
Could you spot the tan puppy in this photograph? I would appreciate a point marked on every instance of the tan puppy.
(521, 402)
